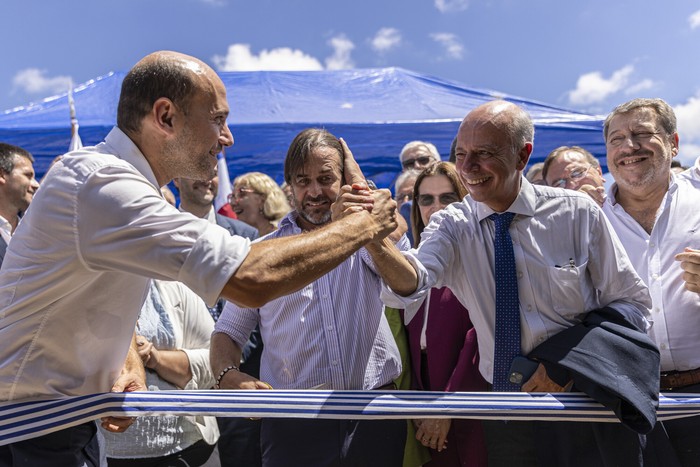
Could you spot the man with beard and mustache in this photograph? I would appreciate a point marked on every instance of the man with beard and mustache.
(79, 265)
(656, 214)
(332, 334)
(17, 188)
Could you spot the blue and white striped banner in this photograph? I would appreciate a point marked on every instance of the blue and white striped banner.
(29, 419)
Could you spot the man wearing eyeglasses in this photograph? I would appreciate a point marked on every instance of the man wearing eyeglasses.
(656, 214)
(418, 155)
(574, 168)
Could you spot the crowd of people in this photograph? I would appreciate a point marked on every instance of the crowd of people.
(481, 273)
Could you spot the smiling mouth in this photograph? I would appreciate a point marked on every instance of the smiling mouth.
(477, 181)
(631, 160)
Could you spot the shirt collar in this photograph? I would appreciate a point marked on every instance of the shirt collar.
(123, 147)
(612, 191)
(523, 204)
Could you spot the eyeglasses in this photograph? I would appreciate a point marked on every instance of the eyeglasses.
(403, 197)
(240, 193)
(443, 198)
(575, 174)
(422, 160)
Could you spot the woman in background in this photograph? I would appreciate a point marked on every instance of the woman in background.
(172, 337)
(442, 339)
(259, 201)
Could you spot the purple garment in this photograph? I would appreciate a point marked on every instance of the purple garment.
(452, 365)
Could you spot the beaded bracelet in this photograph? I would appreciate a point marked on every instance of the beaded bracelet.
(223, 373)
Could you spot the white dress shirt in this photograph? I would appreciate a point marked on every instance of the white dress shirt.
(675, 310)
(79, 264)
(692, 173)
(332, 334)
(5, 230)
(568, 259)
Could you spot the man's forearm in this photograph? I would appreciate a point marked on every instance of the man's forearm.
(223, 352)
(396, 271)
(280, 266)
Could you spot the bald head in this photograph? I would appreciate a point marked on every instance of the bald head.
(507, 117)
(163, 74)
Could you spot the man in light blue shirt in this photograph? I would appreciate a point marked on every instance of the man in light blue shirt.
(332, 334)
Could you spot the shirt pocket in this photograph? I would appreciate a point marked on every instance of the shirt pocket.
(566, 289)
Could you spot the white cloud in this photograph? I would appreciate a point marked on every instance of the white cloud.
(453, 47)
(386, 39)
(240, 58)
(688, 116)
(342, 48)
(643, 85)
(35, 81)
(451, 5)
(592, 88)
(694, 20)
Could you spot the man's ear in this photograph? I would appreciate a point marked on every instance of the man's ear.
(675, 140)
(163, 114)
(524, 156)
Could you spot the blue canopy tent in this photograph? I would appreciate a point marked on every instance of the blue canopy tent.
(376, 111)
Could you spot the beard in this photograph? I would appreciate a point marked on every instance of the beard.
(315, 215)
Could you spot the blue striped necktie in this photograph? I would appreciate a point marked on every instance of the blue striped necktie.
(507, 336)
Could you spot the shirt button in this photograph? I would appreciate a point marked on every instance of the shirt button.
(654, 276)
(652, 245)
(663, 346)
(324, 296)
(656, 310)
(520, 274)
(334, 362)
(330, 328)
(529, 308)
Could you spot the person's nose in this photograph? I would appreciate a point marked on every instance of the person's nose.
(226, 137)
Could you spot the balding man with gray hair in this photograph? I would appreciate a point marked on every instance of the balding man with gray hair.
(418, 155)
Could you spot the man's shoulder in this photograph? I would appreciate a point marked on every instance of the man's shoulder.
(236, 227)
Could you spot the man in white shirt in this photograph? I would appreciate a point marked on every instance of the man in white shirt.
(17, 188)
(656, 214)
(80, 263)
(568, 262)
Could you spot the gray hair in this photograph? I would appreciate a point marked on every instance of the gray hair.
(664, 113)
(415, 144)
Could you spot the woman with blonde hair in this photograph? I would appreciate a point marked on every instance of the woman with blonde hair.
(259, 201)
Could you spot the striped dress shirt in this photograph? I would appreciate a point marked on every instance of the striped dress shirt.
(332, 334)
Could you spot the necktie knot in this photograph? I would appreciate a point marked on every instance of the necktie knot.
(502, 221)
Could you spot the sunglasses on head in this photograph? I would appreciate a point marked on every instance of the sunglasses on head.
(443, 198)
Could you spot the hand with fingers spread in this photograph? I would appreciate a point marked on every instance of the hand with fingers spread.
(432, 432)
(690, 264)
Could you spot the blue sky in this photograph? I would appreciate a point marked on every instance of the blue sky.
(588, 55)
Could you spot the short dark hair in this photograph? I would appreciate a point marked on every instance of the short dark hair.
(149, 81)
(7, 156)
(303, 144)
(549, 160)
(664, 112)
